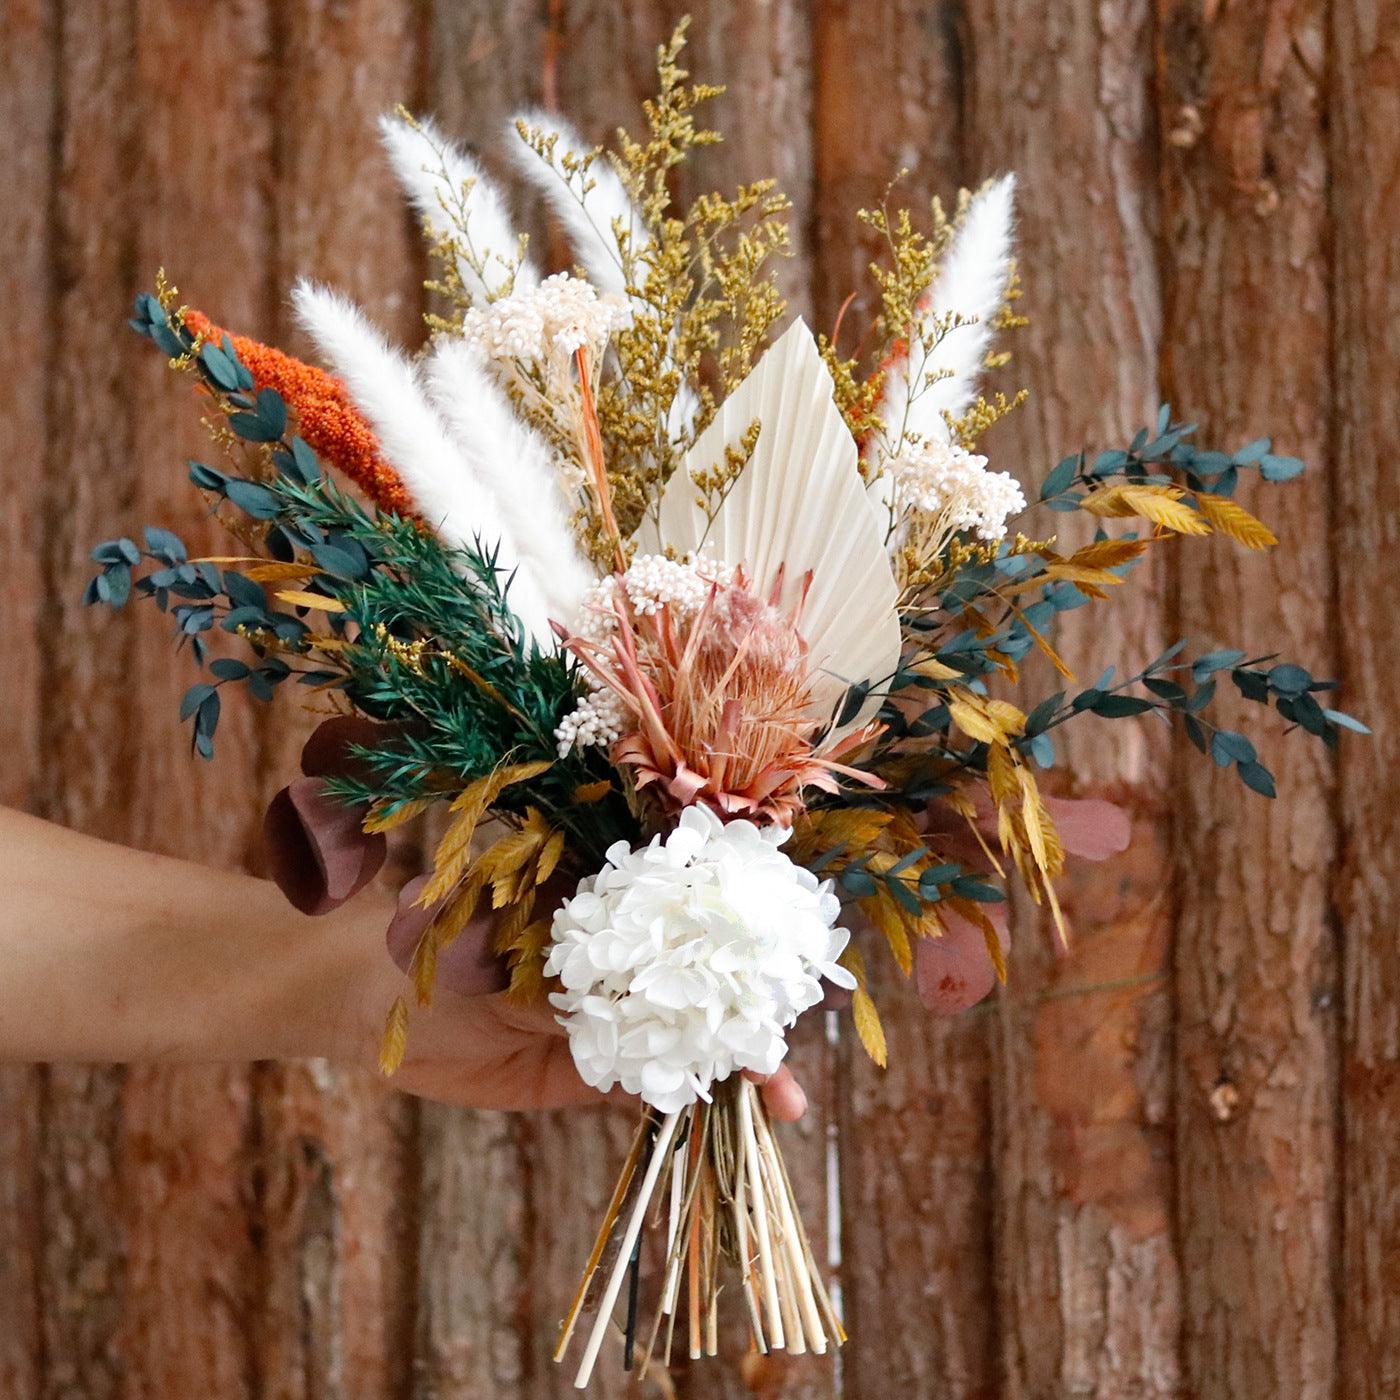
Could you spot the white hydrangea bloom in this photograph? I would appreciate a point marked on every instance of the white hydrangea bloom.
(689, 958)
(948, 481)
(546, 323)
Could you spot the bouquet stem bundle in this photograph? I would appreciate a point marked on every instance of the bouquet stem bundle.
(709, 1181)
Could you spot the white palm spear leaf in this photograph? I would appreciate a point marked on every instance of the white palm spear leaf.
(460, 507)
(970, 284)
(516, 467)
(798, 505)
(592, 206)
(450, 191)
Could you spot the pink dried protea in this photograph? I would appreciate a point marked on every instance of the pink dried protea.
(709, 689)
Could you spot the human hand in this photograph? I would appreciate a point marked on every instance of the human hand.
(477, 1047)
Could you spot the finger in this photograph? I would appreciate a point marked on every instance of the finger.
(536, 1017)
(538, 1075)
(783, 1096)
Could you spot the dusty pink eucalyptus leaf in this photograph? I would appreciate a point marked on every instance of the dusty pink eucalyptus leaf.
(955, 971)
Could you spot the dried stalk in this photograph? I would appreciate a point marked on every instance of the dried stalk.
(728, 1201)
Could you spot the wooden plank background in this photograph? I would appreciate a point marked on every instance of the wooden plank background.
(1166, 1165)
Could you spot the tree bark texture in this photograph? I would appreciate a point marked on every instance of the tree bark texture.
(1162, 1163)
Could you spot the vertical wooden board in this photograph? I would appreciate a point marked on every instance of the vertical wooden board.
(472, 1215)
(762, 54)
(1364, 118)
(87, 746)
(914, 1145)
(21, 1103)
(27, 112)
(909, 52)
(474, 1326)
(1087, 1280)
(196, 196)
(1246, 352)
(336, 1169)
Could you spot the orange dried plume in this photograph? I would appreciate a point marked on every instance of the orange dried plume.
(326, 415)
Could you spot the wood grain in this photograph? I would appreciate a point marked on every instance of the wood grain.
(87, 745)
(1365, 148)
(1161, 1166)
(1087, 1283)
(915, 1139)
(1247, 340)
(27, 109)
(182, 1143)
(335, 1161)
(482, 61)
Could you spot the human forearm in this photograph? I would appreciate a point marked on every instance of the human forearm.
(113, 954)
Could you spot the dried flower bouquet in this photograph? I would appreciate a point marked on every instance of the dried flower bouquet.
(691, 616)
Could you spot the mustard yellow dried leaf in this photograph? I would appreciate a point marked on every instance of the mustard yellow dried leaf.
(592, 792)
(527, 959)
(1108, 554)
(298, 599)
(423, 967)
(1234, 520)
(275, 571)
(866, 1017)
(549, 857)
(381, 818)
(459, 910)
(513, 923)
(868, 1027)
(974, 721)
(394, 1042)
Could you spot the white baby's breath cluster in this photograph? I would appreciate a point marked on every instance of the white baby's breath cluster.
(546, 324)
(689, 958)
(651, 583)
(954, 485)
(598, 720)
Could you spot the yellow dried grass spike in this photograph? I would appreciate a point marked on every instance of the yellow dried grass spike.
(1234, 520)
(298, 599)
(863, 1012)
(395, 1039)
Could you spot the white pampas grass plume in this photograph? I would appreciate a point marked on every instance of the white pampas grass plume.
(448, 188)
(592, 206)
(511, 461)
(385, 388)
(970, 284)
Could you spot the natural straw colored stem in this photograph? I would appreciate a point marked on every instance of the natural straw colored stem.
(813, 1267)
(700, 1142)
(692, 1270)
(741, 1237)
(792, 1243)
(629, 1240)
(760, 1217)
(673, 1225)
(600, 1243)
(787, 1285)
